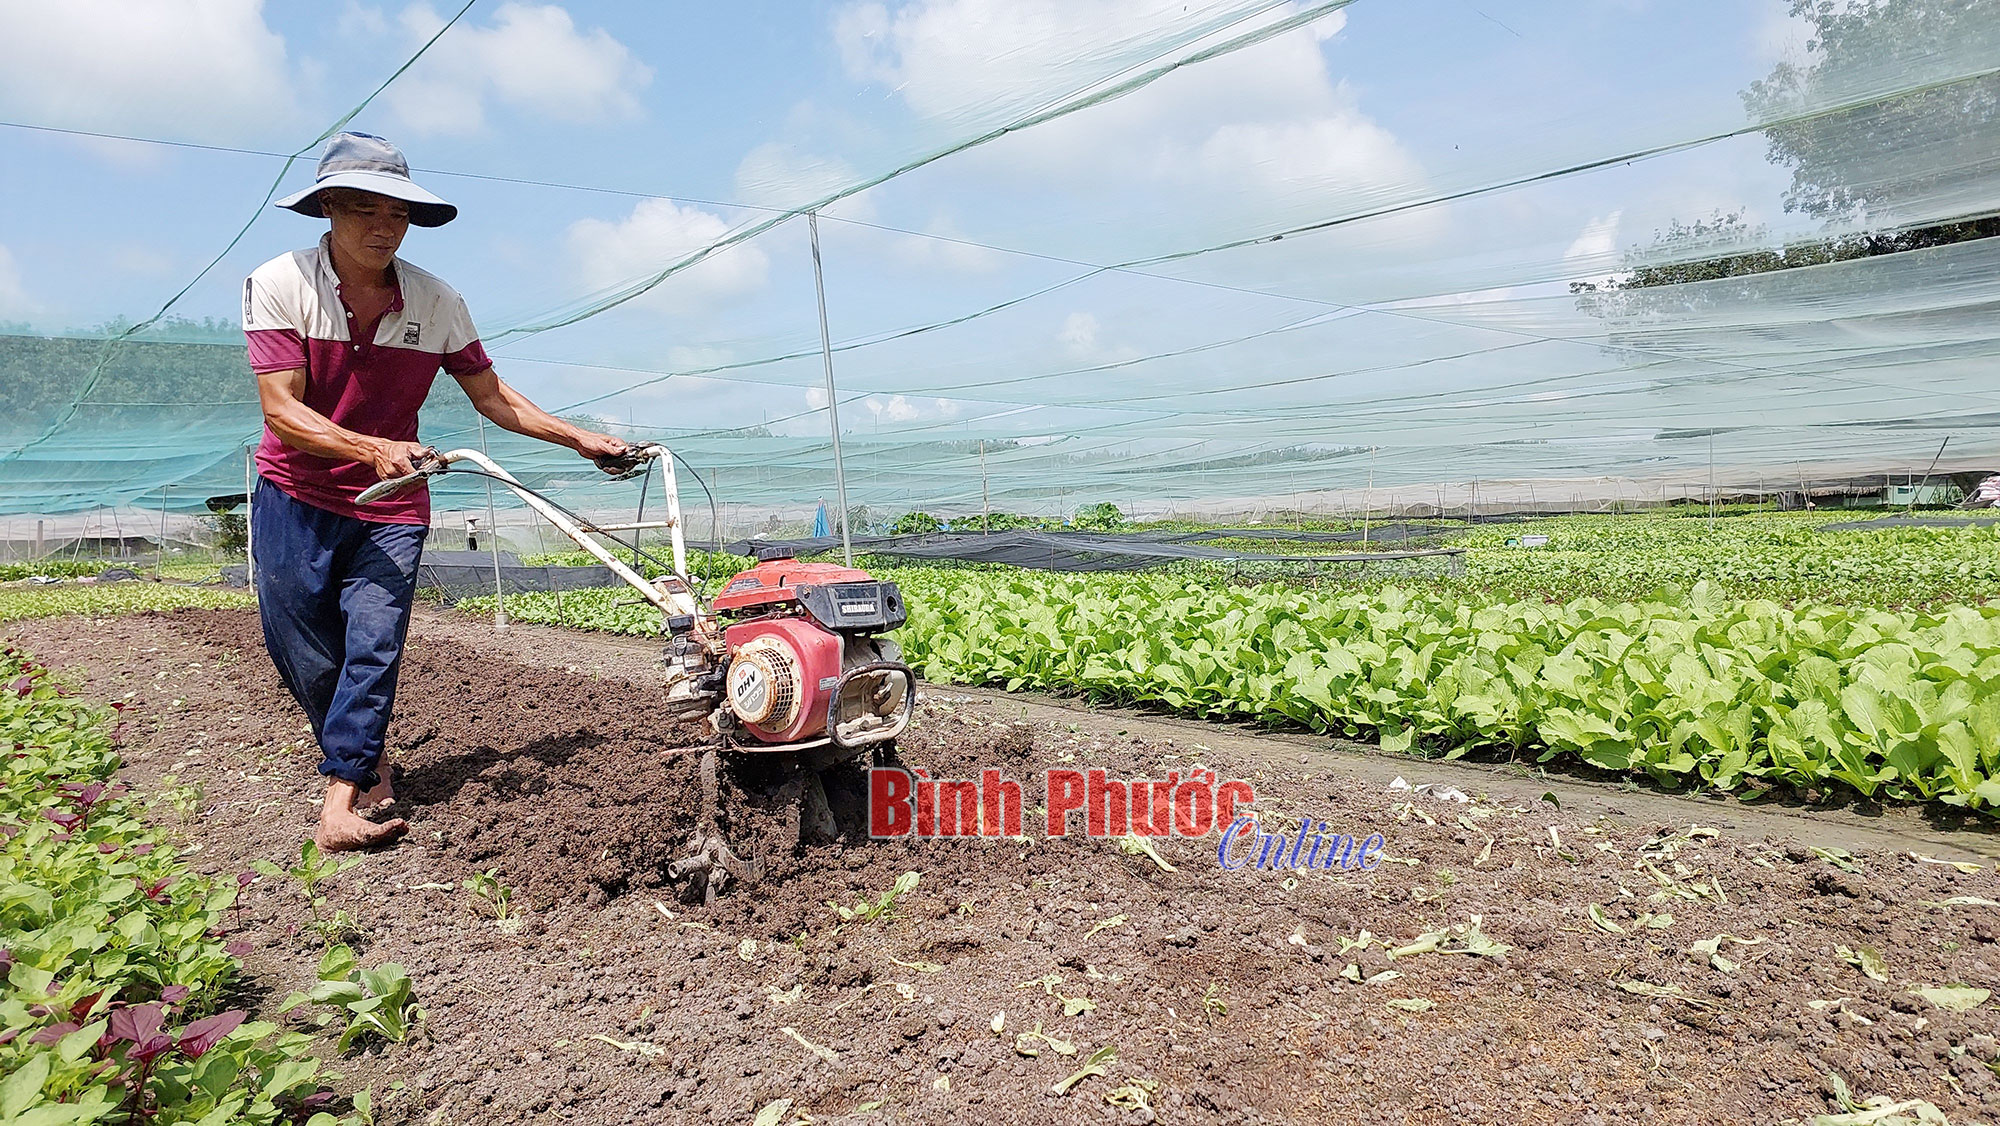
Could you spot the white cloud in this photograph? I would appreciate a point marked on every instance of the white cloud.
(776, 174)
(1340, 150)
(1598, 241)
(1268, 121)
(991, 58)
(196, 69)
(1079, 334)
(816, 398)
(655, 235)
(531, 58)
(947, 250)
(357, 20)
(1083, 340)
(902, 408)
(14, 301)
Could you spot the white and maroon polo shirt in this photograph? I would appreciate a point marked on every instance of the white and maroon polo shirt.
(368, 379)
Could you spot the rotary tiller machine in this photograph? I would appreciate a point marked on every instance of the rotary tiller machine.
(787, 661)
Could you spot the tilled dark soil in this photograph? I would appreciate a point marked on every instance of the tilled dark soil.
(1223, 995)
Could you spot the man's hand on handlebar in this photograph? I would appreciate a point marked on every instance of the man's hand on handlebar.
(611, 454)
(399, 459)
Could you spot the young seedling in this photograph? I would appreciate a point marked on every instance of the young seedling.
(186, 800)
(377, 1002)
(312, 871)
(494, 898)
(865, 911)
(1212, 1003)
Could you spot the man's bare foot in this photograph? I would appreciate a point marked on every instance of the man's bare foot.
(380, 795)
(341, 829)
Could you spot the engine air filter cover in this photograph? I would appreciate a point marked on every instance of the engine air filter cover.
(764, 685)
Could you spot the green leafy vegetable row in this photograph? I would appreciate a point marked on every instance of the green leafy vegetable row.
(113, 598)
(1696, 689)
(1699, 689)
(114, 954)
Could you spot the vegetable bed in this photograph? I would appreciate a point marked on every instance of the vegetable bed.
(116, 957)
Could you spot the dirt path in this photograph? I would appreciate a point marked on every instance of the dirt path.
(1225, 995)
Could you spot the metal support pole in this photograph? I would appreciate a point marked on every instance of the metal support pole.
(1711, 480)
(832, 397)
(1367, 502)
(1918, 491)
(493, 536)
(160, 561)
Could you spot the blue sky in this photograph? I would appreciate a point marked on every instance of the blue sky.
(717, 110)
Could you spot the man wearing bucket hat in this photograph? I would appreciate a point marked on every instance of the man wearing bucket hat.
(345, 339)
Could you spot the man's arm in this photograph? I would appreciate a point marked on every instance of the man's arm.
(303, 428)
(511, 410)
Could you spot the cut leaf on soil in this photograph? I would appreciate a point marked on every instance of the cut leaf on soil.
(823, 1053)
(639, 1046)
(1025, 1042)
(1710, 948)
(1670, 992)
(1597, 916)
(1106, 924)
(1133, 845)
(1470, 940)
(1866, 960)
(1961, 865)
(772, 1113)
(1097, 1063)
(1411, 1004)
(1878, 1110)
(1957, 998)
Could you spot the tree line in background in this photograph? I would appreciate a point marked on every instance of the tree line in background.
(1835, 158)
(1101, 517)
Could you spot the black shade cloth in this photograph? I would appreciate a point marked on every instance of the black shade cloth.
(1070, 551)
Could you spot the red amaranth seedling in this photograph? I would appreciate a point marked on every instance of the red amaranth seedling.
(143, 1030)
(157, 892)
(243, 882)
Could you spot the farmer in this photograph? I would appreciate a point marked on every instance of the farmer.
(345, 339)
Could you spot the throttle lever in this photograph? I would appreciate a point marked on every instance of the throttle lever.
(627, 465)
(427, 464)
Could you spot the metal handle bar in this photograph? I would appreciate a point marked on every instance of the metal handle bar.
(427, 465)
(674, 604)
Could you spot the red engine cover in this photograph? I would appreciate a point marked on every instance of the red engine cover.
(818, 661)
(772, 581)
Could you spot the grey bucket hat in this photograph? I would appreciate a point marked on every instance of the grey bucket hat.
(370, 164)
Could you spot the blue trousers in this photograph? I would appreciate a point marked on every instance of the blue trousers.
(334, 593)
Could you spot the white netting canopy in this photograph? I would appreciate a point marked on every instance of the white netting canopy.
(1074, 250)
